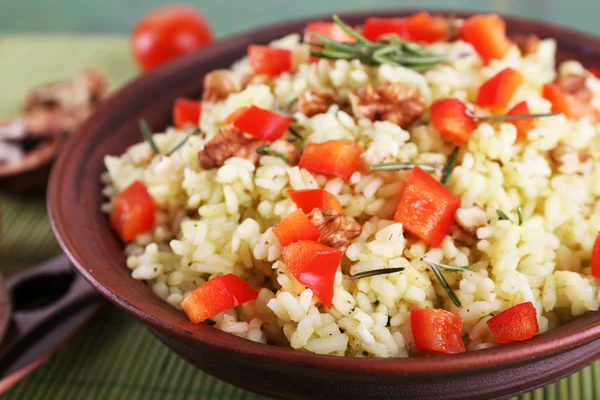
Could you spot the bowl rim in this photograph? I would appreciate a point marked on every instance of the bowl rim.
(543, 346)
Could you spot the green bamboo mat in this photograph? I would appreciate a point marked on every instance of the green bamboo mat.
(115, 357)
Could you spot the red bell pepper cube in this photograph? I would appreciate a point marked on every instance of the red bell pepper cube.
(260, 123)
(595, 72)
(422, 27)
(314, 265)
(309, 199)
(375, 28)
(516, 324)
(132, 212)
(436, 330)
(426, 208)
(450, 117)
(218, 294)
(596, 257)
(269, 60)
(487, 34)
(295, 227)
(186, 112)
(523, 125)
(568, 104)
(497, 91)
(333, 158)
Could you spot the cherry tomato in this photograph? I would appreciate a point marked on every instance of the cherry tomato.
(168, 32)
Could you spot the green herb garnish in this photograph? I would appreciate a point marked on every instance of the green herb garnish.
(520, 215)
(511, 117)
(435, 267)
(396, 51)
(184, 141)
(268, 150)
(400, 166)
(374, 272)
(450, 166)
(502, 216)
(147, 134)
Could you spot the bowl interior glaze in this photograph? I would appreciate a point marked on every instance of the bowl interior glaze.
(75, 198)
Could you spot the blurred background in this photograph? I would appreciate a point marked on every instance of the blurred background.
(40, 40)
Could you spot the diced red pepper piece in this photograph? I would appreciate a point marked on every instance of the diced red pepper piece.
(596, 257)
(450, 117)
(595, 72)
(314, 265)
(327, 29)
(568, 104)
(186, 112)
(295, 227)
(515, 324)
(132, 212)
(426, 208)
(269, 60)
(260, 123)
(231, 117)
(487, 34)
(497, 91)
(422, 27)
(523, 125)
(333, 158)
(309, 199)
(375, 28)
(218, 294)
(436, 330)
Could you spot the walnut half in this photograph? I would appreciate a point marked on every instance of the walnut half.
(229, 142)
(568, 160)
(336, 230)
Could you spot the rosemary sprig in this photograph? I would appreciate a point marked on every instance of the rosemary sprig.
(147, 134)
(268, 150)
(400, 166)
(510, 117)
(435, 267)
(449, 166)
(520, 215)
(184, 141)
(502, 215)
(296, 134)
(382, 271)
(394, 52)
(445, 266)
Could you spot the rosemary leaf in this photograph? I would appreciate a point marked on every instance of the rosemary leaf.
(295, 132)
(512, 117)
(438, 274)
(184, 141)
(450, 166)
(520, 215)
(502, 215)
(383, 271)
(147, 134)
(267, 150)
(349, 30)
(444, 266)
(400, 166)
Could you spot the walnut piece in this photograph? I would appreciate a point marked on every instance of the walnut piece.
(470, 218)
(336, 230)
(528, 44)
(229, 142)
(390, 101)
(575, 84)
(287, 149)
(218, 85)
(316, 101)
(569, 160)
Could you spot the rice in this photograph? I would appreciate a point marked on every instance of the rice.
(218, 221)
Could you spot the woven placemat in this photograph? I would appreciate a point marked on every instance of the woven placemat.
(115, 357)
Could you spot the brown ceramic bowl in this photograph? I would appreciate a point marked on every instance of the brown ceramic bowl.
(84, 233)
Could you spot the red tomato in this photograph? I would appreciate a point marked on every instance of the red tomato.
(168, 32)
(186, 112)
(269, 60)
(219, 294)
(436, 330)
(295, 227)
(314, 265)
(523, 125)
(515, 324)
(487, 34)
(260, 123)
(596, 257)
(422, 27)
(426, 208)
(450, 117)
(568, 104)
(309, 199)
(132, 212)
(333, 158)
(497, 91)
(327, 29)
(374, 28)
